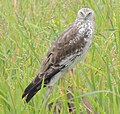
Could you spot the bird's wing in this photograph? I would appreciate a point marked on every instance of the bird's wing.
(64, 50)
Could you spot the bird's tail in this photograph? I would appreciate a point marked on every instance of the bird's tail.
(32, 88)
(36, 84)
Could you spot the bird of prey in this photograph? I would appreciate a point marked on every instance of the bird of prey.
(67, 50)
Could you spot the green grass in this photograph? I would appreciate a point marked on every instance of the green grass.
(27, 30)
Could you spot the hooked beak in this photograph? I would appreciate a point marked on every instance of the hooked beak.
(85, 18)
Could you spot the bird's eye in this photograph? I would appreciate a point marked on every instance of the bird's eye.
(81, 13)
(89, 14)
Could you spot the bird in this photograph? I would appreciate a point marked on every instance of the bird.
(68, 49)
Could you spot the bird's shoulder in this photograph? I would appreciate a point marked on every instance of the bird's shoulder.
(68, 43)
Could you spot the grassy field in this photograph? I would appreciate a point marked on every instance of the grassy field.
(27, 30)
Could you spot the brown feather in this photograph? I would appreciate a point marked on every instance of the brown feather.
(66, 50)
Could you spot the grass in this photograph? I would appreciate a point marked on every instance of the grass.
(27, 30)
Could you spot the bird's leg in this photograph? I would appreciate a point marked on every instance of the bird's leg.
(47, 93)
(50, 88)
(62, 91)
(71, 73)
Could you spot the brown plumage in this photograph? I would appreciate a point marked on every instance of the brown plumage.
(66, 51)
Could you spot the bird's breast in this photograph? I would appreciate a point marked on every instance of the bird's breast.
(84, 40)
(85, 29)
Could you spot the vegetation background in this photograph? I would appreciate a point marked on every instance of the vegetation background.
(27, 30)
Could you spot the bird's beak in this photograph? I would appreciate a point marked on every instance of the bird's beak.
(85, 18)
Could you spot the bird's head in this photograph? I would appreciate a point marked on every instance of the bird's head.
(86, 14)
